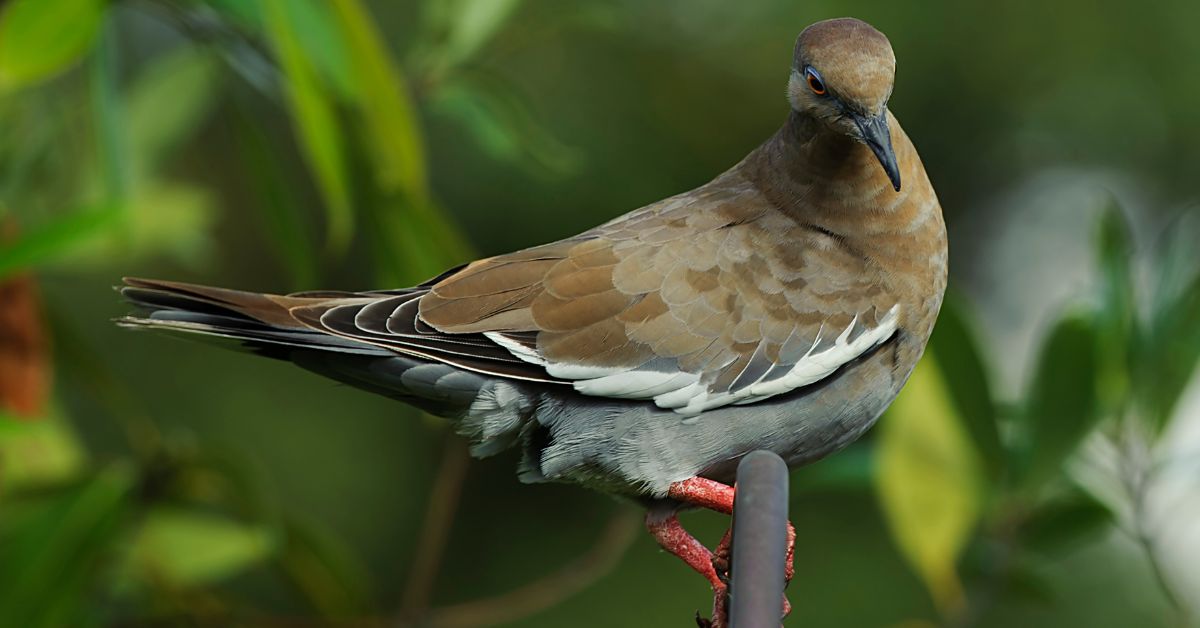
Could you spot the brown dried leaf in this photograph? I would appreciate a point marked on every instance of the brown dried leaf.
(24, 347)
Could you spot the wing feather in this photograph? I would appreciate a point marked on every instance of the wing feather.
(696, 302)
(674, 306)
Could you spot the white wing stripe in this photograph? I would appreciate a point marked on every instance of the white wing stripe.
(818, 366)
(688, 395)
(517, 349)
(636, 384)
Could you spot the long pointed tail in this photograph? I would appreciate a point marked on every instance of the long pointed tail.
(253, 321)
(263, 324)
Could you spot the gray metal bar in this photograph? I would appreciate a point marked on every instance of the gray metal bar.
(759, 546)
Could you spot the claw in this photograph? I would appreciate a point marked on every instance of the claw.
(713, 565)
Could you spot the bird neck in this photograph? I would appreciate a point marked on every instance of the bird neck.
(826, 181)
(807, 168)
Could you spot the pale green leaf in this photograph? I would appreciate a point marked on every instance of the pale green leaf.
(108, 121)
(929, 481)
(1062, 403)
(504, 125)
(323, 44)
(311, 21)
(193, 548)
(244, 13)
(955, 346)
(1116, 317)
(315, 121)
(167, 101)
(171, 218)
(412, 236)
(1063, 522)
(392, 129)
(37, 452)
(53, 545)
(161, 218)
(281, 213)
(39, 38)
(474, 23)
(460, 28)
(1171, 354)
(57, 239)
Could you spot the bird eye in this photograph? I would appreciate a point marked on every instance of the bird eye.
(814, 81)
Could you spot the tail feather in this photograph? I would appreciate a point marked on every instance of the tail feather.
(269, 309)
(258, 322)
(272, 326)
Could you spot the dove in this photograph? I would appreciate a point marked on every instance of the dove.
(781, 306)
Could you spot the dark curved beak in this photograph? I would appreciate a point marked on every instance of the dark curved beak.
(878, 137)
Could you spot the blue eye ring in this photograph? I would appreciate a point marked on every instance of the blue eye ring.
(815, 82)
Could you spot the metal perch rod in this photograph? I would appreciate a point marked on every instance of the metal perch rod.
(759, 545)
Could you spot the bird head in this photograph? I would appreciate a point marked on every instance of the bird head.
(842, 76)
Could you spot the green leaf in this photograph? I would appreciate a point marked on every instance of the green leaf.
(391, 126)
(243, 13)
(324, 45)
(1169, 358)
(39, 38)
(1025, 583)
(1061, 524)
(1116, 320)
(1114, 247)
(187, 548)
(57, 239)
(1061, 405)
(37, 453)
(456, 100)
(160, 218)
(504, 125)
(955, 347)
(189, 79)
(109, 121)
(281, 208)
(52, 548)
(412, 239)
(928, 477)
(315, 121)
(458, 29)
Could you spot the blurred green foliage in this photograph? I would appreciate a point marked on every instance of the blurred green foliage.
(302, 144)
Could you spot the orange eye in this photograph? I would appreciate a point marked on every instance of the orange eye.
(814, 81)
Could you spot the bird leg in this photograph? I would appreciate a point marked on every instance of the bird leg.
(665, 527)
(714, 566)
(704, 493)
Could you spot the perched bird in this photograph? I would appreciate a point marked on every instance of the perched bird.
(780, 306)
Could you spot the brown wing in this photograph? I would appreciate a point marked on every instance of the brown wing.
(701, 300)
(698, 301)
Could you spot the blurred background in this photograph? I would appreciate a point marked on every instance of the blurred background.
(1042, 468)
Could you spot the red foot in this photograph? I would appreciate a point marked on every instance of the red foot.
(721, 562)
(789, 567)
(669, 533)
(704, 493)
(672, 537)
(721, 555)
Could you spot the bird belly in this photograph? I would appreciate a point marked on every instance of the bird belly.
(637, 449)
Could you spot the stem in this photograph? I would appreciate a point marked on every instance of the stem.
(1145, 539)
(444, 498)
(544, 593)
(514, 605)
(1138, 476)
